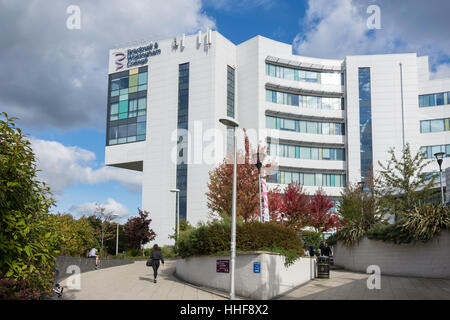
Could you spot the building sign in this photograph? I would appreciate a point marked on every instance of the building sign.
(256, 267)
(223, 266)
(136, 57)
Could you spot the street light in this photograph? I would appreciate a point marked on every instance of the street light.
(439, 157)
(177, 217)
(361, 184)
(259, 157)
(115, 215)
(232, 123)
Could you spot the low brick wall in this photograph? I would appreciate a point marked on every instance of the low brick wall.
(85, 264)
(427, 260)
(273, 279)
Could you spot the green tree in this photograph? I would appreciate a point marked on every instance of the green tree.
(27, 245)
(402, 184)
(353, 198)
(77, 236)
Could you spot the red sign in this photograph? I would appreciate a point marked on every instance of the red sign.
(223, 266)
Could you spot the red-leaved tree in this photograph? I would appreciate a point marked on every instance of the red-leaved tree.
(295, 206)
(137, 230)
(276, 204)
(220, 185)
(319, 216)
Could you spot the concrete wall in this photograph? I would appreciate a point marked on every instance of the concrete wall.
(273, 280)
(428, 260)
(62, 263)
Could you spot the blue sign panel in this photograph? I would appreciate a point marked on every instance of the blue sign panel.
(256, 267)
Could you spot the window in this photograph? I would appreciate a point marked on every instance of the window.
(437, 125)
(127, 113)
(230, 92)
(310, 127)
(434, 99)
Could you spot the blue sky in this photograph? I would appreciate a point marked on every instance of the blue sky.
(55, 79)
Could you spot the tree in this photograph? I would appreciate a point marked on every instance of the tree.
(276, 204)
(77, 236)
(137, 230)
(27, 247)
(104, 229)
(295, 206)
(220, 185)
(320, 217)
(353, 197)
(402, 182)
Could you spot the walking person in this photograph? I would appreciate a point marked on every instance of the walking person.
(93, 254)
(326, 251)
(155, 256)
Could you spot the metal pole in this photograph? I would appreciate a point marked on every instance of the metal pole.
(178, 214)
(117, 240)
(401, 90)
(442, 187)
(233, 221)
(260, 201)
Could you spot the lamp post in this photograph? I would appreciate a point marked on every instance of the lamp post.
(115, 215)
(259, 157)
(361, 184)
(232, 123)
(177, 215)
(439, 157)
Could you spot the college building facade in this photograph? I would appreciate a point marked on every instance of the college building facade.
(326, 122)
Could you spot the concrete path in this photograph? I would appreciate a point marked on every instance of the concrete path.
(344, 285)
(135, 282)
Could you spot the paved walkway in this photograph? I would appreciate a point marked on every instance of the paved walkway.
(135, 282)
(344, 285)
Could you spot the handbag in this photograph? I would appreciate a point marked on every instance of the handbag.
(149, 263)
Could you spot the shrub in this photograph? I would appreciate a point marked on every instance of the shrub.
(311, 238)
(214, 237)
(28, 247)
(350, 234)
(167, 251)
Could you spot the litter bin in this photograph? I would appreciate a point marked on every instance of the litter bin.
(323, 267)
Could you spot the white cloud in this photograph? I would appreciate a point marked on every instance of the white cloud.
(442, 71)
(63, 166)
(111, 207)
(56, 77)
(336, 28)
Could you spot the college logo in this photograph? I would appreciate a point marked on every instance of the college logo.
(120, 57)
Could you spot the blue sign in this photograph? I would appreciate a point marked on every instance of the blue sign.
(256, 267)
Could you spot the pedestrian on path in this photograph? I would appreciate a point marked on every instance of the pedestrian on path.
(326, 251)
(93, 254)
(155, 256)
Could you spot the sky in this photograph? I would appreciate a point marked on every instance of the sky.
(54, 78)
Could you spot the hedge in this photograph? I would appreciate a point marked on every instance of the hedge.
(214, 238)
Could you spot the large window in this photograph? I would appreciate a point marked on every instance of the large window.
(308, 179)
(303, 75)
(309, 153)
(365, 121)
(183, 113)
(429, 151)
(303, 101)
(434, 99)
(435, 125)
(127, 106)
(230, 92)
(304, 126)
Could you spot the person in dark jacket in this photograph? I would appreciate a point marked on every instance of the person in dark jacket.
(321, 247)
(156, 255)
(326, 250)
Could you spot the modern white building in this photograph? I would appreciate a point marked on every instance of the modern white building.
(327, 120)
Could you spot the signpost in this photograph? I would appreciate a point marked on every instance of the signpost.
(223, 266)
(256, 267)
